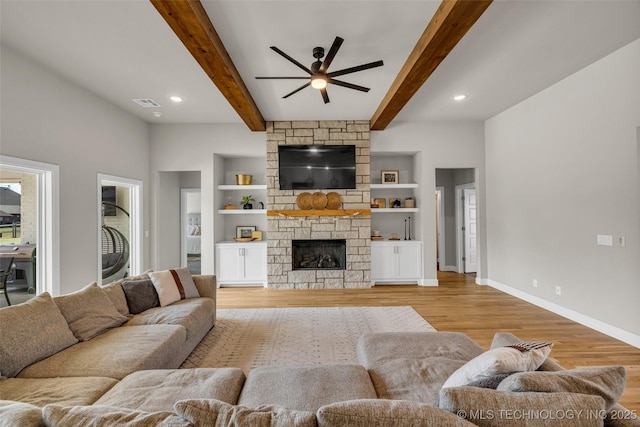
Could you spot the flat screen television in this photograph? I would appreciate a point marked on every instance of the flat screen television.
(317, 167)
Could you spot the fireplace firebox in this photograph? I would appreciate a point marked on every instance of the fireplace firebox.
(319, 254)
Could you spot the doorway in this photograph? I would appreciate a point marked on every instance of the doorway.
(39, 183)
(190, 235)
(120, 228)
(455, 253)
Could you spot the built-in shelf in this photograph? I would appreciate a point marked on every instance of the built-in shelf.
(392, 186)
(393, 210)
(242, 187)
(325, 212)
(242, 211)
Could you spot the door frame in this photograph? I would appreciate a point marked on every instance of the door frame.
(48, 219)
(460, 223)
(440, 229)
(135, 221)
(184, 192)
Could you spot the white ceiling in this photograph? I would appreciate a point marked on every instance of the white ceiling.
(122, 50)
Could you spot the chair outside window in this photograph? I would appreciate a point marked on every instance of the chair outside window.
(6, 270)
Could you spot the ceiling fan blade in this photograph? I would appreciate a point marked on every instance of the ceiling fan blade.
(275, 49)
(356, 69)
(325, 95)
(297, 90)
(282, 78)
(332, 54)
(349, 85)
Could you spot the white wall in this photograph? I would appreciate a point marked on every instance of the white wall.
(191, 147)
(441, 145)
(49, 119)
(562, 167)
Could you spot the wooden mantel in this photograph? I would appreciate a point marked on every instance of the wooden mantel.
(321, 212)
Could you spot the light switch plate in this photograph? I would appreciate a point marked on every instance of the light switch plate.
(605, 239)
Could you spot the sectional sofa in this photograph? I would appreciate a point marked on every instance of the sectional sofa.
(108, 356)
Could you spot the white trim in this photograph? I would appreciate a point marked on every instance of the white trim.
(135, 220)
(481, 281)
(442, 239)
(598, 325)
(48, 217)
(449, 268)
(459, 223)
(184, 221)
(429, 282)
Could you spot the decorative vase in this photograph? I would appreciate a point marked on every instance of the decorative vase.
(247, 206)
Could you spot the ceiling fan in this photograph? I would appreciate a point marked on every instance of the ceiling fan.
(318, 75)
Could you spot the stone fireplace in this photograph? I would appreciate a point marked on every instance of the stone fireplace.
(352, 228)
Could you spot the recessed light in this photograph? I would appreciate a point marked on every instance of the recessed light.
(460, 97)
(176, 98)
(157, 113)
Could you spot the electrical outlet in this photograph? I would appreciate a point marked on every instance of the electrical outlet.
(558, 290)
(622, 241)
(535, 283)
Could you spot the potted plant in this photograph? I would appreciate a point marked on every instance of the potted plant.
(246, 202)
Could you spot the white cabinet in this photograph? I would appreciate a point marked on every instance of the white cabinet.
(396, 261)
(241, 264)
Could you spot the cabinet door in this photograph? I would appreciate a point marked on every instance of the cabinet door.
(383, 262)
(255, 262)
(409, 261)
(230, 263)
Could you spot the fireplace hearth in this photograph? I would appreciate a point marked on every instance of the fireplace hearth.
(319, 254)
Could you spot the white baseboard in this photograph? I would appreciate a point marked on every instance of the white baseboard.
(598, 325)
(428, 282)
(482, 281)
(448, 268)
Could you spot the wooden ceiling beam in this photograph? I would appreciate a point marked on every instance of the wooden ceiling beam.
(449, 24)
(192, 25)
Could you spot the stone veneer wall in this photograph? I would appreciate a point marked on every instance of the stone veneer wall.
(355, 229)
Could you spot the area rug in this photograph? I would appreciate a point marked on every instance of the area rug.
(249, 338)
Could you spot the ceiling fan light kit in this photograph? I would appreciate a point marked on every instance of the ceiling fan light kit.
(318, 76)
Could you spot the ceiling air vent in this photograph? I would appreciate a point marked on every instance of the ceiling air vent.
(147, 103)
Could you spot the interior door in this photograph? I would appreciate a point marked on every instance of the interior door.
(470, 231)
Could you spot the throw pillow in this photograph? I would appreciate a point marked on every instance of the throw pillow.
(207, 412)
(524, 356)
(99, 415)
(174, 285)
(485, 407)
(607, 382)
(35, 330)
(141, 295)
(491, 382)
(89, 312)
(385, 413)
(14, 414)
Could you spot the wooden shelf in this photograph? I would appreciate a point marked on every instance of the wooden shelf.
(242, 187)
(393, 186)
(323, 212)
(393, 210)
(242, 211)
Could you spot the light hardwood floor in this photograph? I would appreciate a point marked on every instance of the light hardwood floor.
(458, 304)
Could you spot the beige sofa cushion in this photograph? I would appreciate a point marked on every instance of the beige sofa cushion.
(159, 389)
(385, 413)
(173, 285)
(220, 414)
(89, 312)
(485, 407)
(13, 414)
(115, 354)
(190, 313)
(306, 387)
(606, 381)
(64, 391)
(31, 331)
(414, 365)
(108, 416)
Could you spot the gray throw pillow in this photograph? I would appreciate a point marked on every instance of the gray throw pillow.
(606, 381)
(141, 295)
